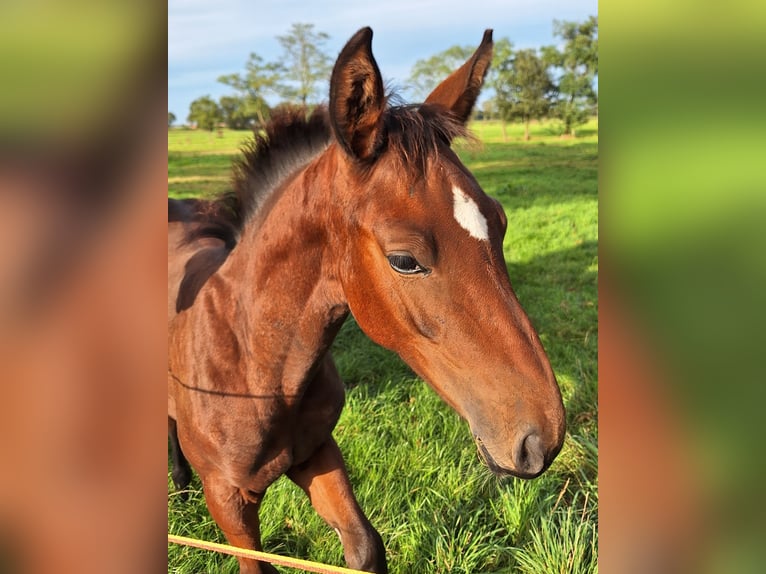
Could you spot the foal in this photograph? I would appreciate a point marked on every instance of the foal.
(360, 208)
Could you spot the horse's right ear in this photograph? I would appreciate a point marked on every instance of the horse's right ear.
(357, 100)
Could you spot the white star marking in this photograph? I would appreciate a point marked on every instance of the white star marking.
(468, 215)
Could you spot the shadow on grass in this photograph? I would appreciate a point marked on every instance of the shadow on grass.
(559, 292)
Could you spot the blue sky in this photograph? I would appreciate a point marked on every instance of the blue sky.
(208, 38)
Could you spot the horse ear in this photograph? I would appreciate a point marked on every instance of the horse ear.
(357, 100)
(458, 93)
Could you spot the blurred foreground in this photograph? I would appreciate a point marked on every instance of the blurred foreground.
(682, 298)
(82, 267)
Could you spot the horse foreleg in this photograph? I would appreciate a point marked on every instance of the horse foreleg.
(324, 479)
(181, 473)
(236, 513)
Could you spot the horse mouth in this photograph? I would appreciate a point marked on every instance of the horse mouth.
(493, 466)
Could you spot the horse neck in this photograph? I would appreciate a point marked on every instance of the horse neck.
(278, 290)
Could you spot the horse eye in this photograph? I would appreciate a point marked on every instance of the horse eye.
(405, 264)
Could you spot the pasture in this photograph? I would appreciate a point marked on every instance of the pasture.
(412, 460)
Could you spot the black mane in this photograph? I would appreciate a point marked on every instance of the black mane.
(415, 132)
(292, 139)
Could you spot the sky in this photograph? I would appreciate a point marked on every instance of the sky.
(209, 38)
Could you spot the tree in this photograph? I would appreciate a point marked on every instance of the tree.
(488, 109)
(259, 80)
(304, 63)
(577, 64)
(171, 119)
(501, 53)
(427, 74)
(524, 88)
(205, 112)
(236, 112)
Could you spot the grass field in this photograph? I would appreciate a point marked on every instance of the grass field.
(411, 459)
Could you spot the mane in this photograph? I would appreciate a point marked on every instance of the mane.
(292, 139)
(416, 131)
(289, 141)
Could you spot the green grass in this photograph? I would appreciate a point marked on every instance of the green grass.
(199, 161)
(411, 459)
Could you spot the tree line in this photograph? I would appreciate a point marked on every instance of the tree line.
(557, 82)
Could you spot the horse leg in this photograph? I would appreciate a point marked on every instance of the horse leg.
(181, 473)
(324, 479)
(236, 513)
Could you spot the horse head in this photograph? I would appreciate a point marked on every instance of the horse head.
(422, 265)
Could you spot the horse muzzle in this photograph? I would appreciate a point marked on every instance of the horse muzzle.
(529, 457)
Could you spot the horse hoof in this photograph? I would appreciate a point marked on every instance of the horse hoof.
(181, 479)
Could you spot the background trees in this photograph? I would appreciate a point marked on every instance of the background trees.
(295, 78)
(524, 89)
(240, 112)
(427, 73)
(576, 65)
(304, 63)
(553, 82)
(205, 112)
(249, 104)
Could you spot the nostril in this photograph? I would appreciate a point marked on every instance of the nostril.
(530, 456)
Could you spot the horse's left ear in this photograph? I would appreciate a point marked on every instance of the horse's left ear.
(357, 99)
(458, 93)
